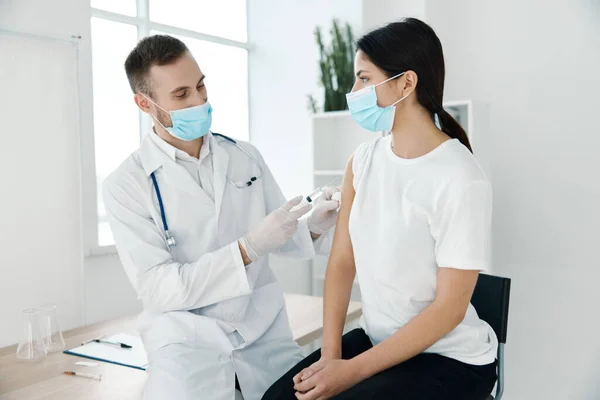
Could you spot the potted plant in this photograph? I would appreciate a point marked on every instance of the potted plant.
(336, 67)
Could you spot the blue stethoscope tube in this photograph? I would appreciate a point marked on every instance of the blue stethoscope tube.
(170, 240)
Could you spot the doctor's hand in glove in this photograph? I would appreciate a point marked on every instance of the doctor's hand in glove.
(325, 214)
(273, 231)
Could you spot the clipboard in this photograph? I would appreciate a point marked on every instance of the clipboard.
(132, 358)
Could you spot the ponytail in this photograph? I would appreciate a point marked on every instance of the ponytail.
(411, 45)
(453, 129)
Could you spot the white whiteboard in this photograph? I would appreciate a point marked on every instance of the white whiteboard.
(40, 233)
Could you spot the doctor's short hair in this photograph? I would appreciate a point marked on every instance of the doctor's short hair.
(150, 51)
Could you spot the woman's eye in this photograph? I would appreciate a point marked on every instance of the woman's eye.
(364, 80)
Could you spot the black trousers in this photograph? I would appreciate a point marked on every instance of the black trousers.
(424, 377)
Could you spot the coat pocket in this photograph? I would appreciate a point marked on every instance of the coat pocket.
(163, 329)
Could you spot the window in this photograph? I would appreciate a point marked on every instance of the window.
(223, 18)
(215, 33)
(115, 114)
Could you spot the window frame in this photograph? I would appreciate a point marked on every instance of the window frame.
(144, 26)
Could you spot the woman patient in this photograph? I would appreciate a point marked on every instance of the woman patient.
(414, 228)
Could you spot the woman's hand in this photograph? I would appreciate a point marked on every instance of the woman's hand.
(325, 378)
(333, 354)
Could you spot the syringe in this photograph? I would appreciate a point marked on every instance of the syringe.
(315, 194)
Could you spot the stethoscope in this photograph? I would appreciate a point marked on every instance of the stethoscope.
(170, 240)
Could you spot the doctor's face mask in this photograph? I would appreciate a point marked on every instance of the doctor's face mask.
(180, 99)
(188, 123)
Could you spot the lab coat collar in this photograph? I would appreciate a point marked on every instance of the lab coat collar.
(153, 157)
(165, 147)
(152, 145)
(174, 153)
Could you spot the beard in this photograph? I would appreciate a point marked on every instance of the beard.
(164, 118)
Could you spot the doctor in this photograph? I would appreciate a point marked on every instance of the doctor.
(194, 215)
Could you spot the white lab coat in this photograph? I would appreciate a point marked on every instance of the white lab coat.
(205, 316)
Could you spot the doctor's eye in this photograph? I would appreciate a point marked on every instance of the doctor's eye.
(364, 80)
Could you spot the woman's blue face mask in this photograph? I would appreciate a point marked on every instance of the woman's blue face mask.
(364, 109)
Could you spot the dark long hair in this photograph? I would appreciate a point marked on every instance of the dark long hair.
(411, 44)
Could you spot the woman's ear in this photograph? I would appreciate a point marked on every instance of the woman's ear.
(409, 83)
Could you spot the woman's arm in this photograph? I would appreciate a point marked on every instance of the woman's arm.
(453, 294)
(327, 378)
(338, 282)
(340, 275)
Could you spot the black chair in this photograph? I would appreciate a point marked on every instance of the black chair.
(490, 299)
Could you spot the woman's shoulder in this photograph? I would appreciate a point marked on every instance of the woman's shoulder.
(461, 165)
(366, 149)
(362, 157)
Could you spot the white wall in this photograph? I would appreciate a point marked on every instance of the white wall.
(377, 13)
(108, 293)
(38, 266)
(105, 292)
(537, 67)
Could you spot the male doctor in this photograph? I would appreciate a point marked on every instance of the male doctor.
(194, 215)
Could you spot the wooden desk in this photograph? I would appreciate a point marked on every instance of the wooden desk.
(44, 379)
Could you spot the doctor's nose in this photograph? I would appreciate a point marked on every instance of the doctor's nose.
(199, 98)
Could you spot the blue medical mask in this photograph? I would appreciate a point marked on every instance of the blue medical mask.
(188, 123)
(364, 109)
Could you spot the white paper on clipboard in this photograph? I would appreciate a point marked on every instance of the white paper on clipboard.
(134, 357)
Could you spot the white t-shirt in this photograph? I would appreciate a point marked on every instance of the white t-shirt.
(409, 218)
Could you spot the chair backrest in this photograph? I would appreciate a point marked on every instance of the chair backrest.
(491, 298)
